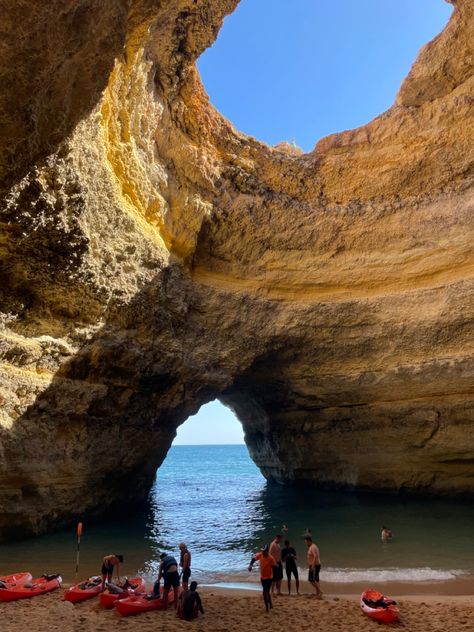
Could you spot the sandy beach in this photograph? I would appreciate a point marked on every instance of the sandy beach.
(232, 610)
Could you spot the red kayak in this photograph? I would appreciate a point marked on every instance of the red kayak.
(40, 586)
(16, 578)
(85, 590)
(140, 603)
(134, 586)
(378, 607)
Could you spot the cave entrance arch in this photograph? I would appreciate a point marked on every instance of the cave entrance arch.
(213, 424)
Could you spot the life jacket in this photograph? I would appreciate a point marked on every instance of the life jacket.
(167, 562)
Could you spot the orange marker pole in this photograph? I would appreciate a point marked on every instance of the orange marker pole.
(79, 533)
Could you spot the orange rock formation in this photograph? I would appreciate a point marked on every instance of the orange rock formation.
(154, 258)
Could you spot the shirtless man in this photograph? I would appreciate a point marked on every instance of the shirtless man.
(109, 562)
(275, 552)
(314, 564)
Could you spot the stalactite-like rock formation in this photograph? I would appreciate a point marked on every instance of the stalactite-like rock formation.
(153, 258)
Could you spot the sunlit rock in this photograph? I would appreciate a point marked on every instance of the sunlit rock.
(153, 258)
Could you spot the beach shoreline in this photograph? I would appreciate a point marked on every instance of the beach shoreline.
(240, 609)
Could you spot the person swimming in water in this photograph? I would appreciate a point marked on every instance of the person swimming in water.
(386, 534)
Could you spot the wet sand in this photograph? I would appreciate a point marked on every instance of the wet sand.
(233, 610)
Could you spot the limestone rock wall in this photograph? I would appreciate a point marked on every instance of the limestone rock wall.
(154, 258)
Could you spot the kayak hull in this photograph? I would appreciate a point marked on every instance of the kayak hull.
(108, 599)
(387, 614)
(138, 603)
(37, 587)
(16, 578)
(76, 594)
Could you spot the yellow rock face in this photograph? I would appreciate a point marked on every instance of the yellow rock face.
(153, 258)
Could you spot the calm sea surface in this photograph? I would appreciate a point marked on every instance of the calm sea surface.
(215, 499)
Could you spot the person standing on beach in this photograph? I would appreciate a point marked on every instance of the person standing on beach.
(288, 557)
(185, 564)
(275, 552)
(109, 562)
(314, 564)
(169, 571)
(266, 562)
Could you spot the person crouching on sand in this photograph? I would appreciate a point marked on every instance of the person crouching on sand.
(314, 564)
(190, 604)
(169, 571)
(109, 562)
(266, 562)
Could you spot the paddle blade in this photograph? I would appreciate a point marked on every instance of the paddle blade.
(79, 529)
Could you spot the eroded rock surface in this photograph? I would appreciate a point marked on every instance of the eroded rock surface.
(153, 258)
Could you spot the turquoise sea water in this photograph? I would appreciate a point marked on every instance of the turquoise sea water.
(215, 499)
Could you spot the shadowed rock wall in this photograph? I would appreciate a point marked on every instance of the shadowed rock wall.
(153, 258)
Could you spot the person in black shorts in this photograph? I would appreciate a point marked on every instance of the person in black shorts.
(109, 562)
(266, 562)
(288, 556)
(275, 552)
(314, 564)
(185, 563)
(169, 571)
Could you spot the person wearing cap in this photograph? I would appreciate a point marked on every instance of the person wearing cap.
(185, 564)
(169, 571)
(266, 562)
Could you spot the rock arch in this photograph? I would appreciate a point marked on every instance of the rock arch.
(153, 259)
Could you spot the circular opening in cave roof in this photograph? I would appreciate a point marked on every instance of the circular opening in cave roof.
(298, 71)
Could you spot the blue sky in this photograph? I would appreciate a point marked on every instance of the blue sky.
(214, 423)
(300, 70)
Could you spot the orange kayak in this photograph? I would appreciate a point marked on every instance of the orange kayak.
(136, 585)
(15, 578)
(84, 590)
(378, 607)
(39, 586)
(139, 603)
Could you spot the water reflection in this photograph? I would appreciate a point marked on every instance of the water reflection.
(215, 499)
